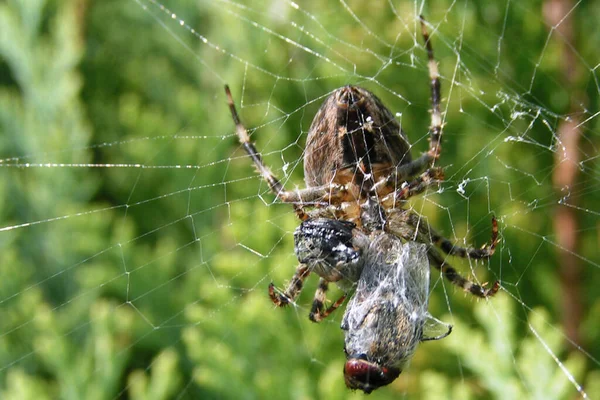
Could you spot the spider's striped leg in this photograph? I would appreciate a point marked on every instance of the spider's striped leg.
(452, 249)
(318, 312)
(410, 226)
(467, 252)
(435, 130)
(417, 186)
(406, 171)
(412, 168)
(436, 259)
(294, 288)
(298, 198)
(265, 172)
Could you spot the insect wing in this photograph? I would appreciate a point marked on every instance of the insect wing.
(434, 329)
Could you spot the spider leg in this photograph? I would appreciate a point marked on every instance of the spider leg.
(299, 198)
(452, 249)
(318, 195)
(468, 252)
(410, 226)
(435, 130)
(293, 290)
(436, 259)
(242, 133)
(317, 312)
(412, 168)
(417, 186)
(405, 171)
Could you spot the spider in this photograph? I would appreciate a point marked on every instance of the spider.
(359, 173)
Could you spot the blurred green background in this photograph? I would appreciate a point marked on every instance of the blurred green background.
(138, 242)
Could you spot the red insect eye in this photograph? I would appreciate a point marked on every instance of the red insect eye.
(367, 376)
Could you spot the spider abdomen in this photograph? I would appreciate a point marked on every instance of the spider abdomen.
(353, 135)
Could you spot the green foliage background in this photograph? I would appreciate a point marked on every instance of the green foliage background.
(138, 282)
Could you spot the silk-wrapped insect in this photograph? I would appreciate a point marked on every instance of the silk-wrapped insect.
(387, 316)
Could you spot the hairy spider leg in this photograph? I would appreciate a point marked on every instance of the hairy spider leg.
(311, 196)
(405, 171)
(413, 188)
(410, 226)
(455, 278)
(293, 290)
(435, 130)
(467, 252)
(318, 312)
(452, 249)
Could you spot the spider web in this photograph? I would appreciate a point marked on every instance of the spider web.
(138, 241)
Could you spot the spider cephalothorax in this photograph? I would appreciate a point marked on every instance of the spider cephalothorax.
(358, 169)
